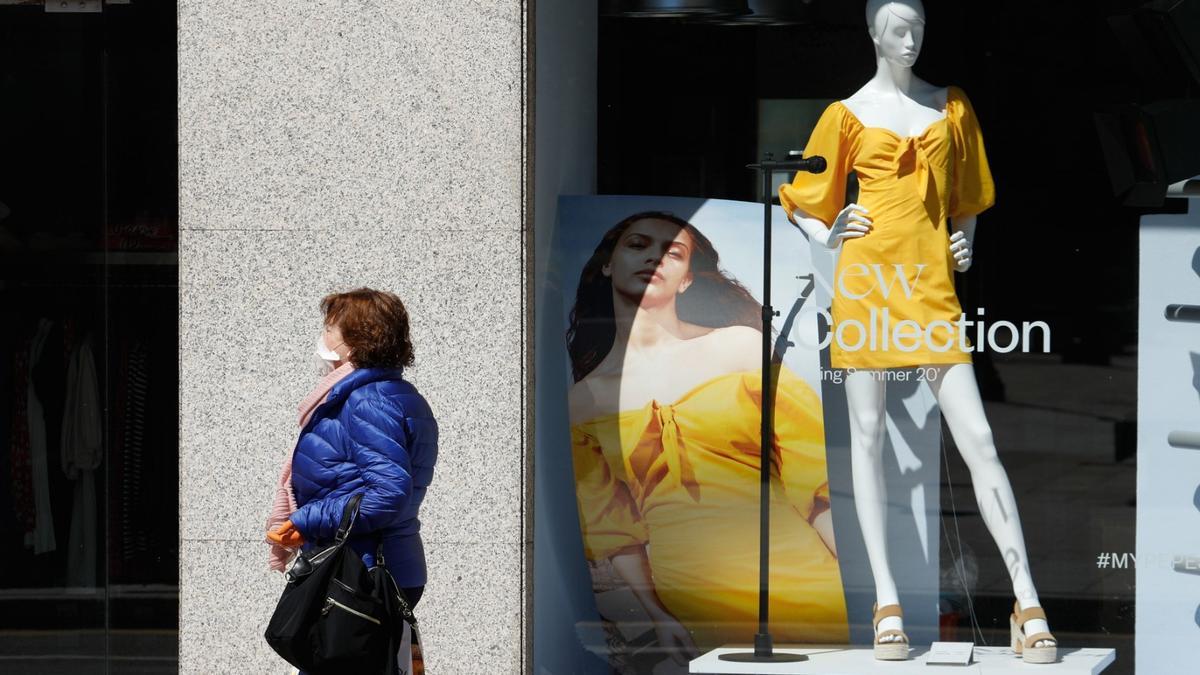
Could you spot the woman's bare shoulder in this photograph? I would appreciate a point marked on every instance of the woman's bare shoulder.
(739, 346)
(694, 331)
(737, 334)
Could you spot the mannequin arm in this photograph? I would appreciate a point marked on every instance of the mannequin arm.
(813, 228)
(962, 241)
(850, 223)
(966, 225)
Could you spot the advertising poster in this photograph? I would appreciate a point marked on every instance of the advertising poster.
(649, 386)
(660, 363)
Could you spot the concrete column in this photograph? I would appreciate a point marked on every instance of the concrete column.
(327, 145)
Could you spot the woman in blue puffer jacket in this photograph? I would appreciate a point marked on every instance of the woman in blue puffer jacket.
(364, 430)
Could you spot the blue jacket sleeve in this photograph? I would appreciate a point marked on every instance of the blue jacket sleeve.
(376, 442)
(318, 520)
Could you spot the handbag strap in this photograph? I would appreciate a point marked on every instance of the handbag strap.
(405, 608)
(349, 514)
(305, 563)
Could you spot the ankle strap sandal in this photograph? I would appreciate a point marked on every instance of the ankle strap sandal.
(895, 650)
(1024, 645)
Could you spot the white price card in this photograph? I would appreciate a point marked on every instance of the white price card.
(956, 653)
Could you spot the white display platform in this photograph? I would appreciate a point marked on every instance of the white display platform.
(860, 660)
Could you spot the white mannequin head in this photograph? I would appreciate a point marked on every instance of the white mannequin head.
(897, 28)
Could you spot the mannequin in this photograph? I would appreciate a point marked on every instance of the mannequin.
(898, 104)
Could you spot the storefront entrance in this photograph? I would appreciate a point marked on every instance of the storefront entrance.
(88, 338)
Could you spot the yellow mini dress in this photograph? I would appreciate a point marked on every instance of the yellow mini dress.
(902, 271)
(682, 479)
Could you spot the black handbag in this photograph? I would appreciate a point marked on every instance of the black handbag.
(335, 616)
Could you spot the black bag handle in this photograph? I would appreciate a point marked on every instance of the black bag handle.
(304, 564)
(349, 514)
(405, 609)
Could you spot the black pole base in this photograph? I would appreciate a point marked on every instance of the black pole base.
(773, 657)
(763, 653)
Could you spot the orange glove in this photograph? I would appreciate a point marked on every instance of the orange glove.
(286, 535)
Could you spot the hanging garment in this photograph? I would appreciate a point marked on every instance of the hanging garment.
(134, 506)
(41, 539)
(135, 437)
(81, 445)
(9, 340)
(81, 556)
(902, 271)
(20, 462)
(80, 453)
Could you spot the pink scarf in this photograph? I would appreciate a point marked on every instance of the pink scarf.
(284, 503)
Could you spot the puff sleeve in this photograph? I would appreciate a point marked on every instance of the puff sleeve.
(800, 445)
(972, 191)
(823, 195)
(608, 516)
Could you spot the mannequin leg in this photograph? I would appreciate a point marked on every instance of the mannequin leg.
(958, 396)
(865, 398)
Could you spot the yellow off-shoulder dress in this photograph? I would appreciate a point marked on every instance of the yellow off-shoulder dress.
(910, 186)
(682, 479)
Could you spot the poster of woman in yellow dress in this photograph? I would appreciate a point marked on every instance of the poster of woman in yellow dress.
(665, 352)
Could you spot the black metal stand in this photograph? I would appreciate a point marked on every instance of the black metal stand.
(763, 647)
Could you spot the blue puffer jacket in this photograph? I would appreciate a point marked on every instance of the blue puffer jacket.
(373, 435)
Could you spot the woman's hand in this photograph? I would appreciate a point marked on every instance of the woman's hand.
(286, 535)
(674, 638)
(850, 223)
(633, 568)
(960, 248)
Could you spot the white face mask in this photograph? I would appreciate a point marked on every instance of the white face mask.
(322, 366)
(325, 352)
(324, 357)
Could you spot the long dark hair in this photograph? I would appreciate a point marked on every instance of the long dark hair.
(714, 299)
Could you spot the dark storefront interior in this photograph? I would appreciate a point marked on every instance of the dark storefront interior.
(88, 275)
(680, 110)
